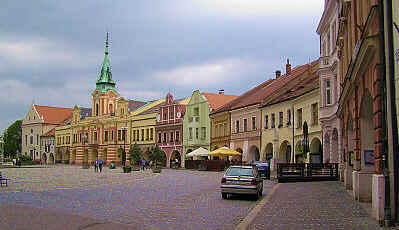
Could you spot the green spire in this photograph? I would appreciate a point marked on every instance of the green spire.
(104, 81)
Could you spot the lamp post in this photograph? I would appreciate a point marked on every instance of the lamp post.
(124, 143)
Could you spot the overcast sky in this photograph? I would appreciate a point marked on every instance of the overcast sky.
(51, 51)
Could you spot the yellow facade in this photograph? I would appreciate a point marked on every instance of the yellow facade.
(278, 138)
(220, 130)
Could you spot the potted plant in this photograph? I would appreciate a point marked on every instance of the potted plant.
(135, 155)
(156, 155)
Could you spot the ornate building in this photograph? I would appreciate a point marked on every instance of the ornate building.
(361, 104)
(330, 83)
(169, 127)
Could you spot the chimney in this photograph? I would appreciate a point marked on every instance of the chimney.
(288, 67)
(278, 74)
(221, 91)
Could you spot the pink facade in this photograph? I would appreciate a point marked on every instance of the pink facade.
(169, 129)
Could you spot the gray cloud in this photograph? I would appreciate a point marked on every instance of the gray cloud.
(51, 51)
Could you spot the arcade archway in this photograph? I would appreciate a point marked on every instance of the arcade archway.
(51, 159)
(253, 154)
(269, 152)
(175, 156)
(284, 155)
(316, 152)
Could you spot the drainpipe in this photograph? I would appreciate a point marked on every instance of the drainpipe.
(387, 205)
(393, 130)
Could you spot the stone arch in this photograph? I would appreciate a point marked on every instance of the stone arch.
(284, 155)
(93, 156)
(44, 158)
(253, 154)
(86, 157)
(65, 157)
(58, 156)
(73, 159)
(366, 125)
(105, 155)
(334, 146)
(269, 151)
(175, 155)
(316, 152)
(51, 159)
(119, 155)
(326, 145)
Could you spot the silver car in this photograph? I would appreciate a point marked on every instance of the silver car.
(241, 180)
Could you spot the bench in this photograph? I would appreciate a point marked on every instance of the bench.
(3, 181)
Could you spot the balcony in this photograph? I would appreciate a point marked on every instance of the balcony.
(325, 62)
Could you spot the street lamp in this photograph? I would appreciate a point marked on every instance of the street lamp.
(124, 142)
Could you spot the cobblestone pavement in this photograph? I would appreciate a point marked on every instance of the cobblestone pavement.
(174, 199)
(314, 205)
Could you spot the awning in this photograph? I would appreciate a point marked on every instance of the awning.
(200, 152)
(224, 151)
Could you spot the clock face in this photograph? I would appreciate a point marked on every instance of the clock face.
(178, 114)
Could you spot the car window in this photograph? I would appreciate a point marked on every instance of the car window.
(240, 172)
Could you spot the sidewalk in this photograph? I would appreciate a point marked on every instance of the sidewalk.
(311, 205)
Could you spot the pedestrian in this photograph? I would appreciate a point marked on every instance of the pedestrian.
(177, 163)
(143, 164)
(100, 165)
(96, 166)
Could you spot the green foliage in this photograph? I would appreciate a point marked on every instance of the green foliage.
(156, 155)
(135, 154)
(12, 139)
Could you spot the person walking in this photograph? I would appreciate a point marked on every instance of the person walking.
(100, 165)
(142, 164)
(96, 166)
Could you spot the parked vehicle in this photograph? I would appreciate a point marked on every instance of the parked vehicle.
(263, 169)
(241, 180)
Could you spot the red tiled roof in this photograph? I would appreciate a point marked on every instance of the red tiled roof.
(216, 100)
(269, 89)
(54, 115)
(133, 105)
(308, 83)
(49, 133)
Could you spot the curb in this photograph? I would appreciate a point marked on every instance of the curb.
(254, 212)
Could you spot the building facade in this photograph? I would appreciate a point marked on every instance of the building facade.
(169, 128)
(330, 83)
(361, 104)
(38, 121)
(47, 143)
(196, 122)
(220, 129)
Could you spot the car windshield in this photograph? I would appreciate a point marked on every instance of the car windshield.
(239, 172)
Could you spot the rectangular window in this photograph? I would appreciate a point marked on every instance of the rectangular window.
(177, 136)
(151, 134)
(253, 123)
(37, 139)
(159, 137)
(95, 136)
(203, 131)
(190, 133)
(165, 116)
(224, 129)
(299, 118)
(328, 92)
(142, 134)
(216, 130)
(171, 136)
(288, 117)
(280, 119)
(196, 133)
(119, 135)
(196, 111)
(106, 136)
(190, 119)
(171, 115)
(273, 120)
(245, 125)
(315, 114)
(164, 137)
(237, 126)
(266, 121)
(80, 138)
(26, 139)
(147, 136)
(112, 135)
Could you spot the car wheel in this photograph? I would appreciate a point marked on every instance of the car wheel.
(224, 195)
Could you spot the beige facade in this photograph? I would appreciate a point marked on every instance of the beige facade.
(245, 132)
(283, 128)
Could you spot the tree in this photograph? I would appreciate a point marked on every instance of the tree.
(135, 154)
(156, 155)
(13, 139)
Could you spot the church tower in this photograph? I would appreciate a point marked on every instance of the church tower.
(105, 95)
